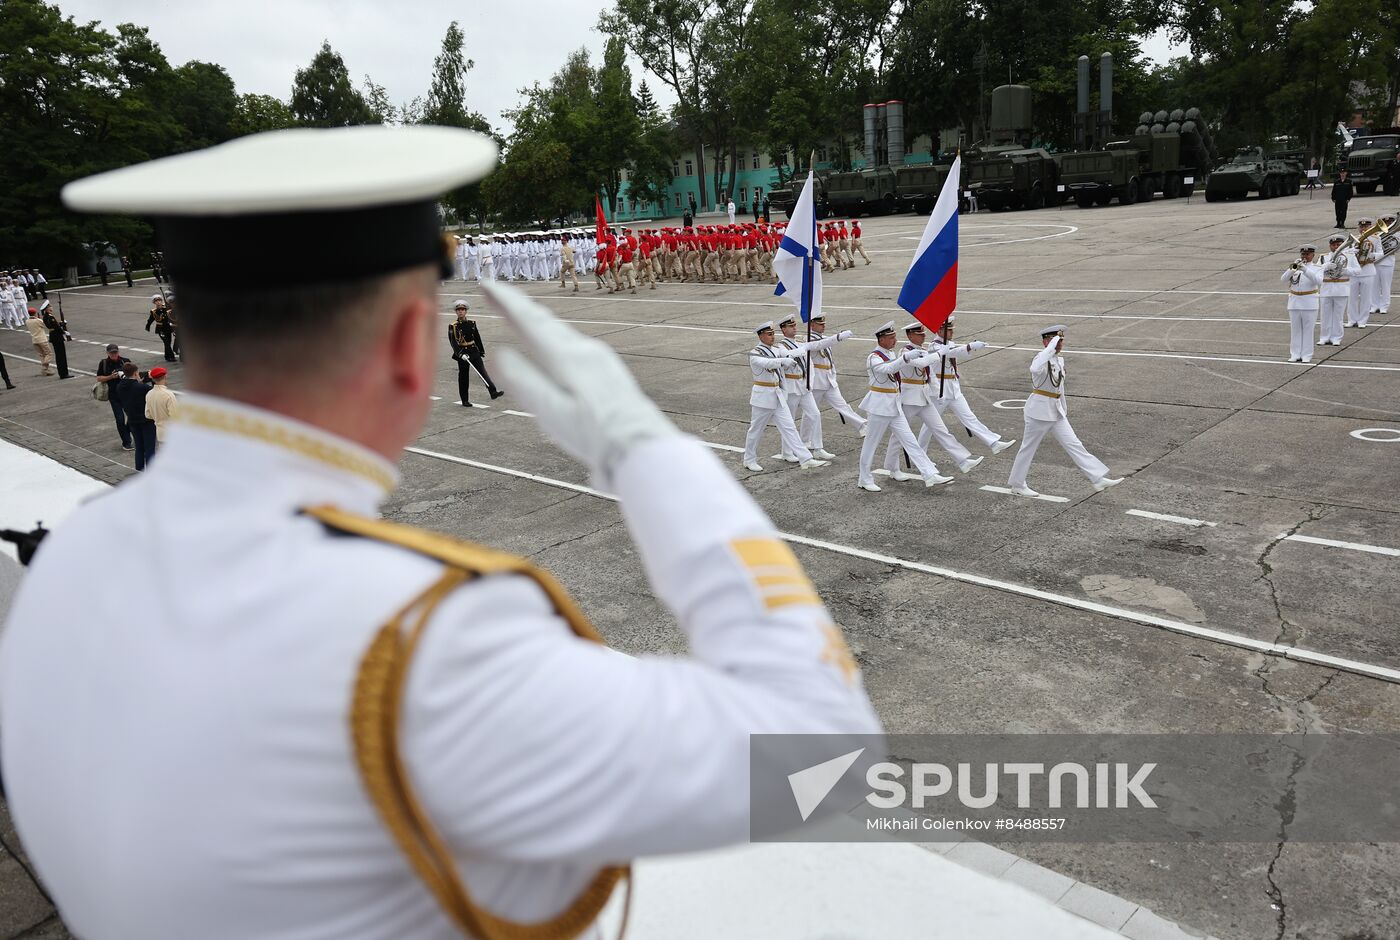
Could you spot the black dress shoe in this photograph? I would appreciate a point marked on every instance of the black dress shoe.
(496, 394)
(467, 404)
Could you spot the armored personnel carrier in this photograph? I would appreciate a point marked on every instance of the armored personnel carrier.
(1250, 171)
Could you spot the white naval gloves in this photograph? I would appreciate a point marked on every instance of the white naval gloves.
(911, 354)
(844, 335)
(975, 345)
(578, 388)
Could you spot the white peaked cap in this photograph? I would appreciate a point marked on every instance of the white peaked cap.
(887, 328)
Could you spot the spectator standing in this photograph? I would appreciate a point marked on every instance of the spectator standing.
(102, 270)
(160, 403)
(130, 392)
(39, 336)
(109, 372)
(126, 269)
(40, 282)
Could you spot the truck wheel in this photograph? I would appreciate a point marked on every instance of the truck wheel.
(1147, 190)
(1171, 186)
(1366, 189)
(888, 206)
(1036, 199)
(1295, 185)
(1103, 197)
(1212, 197)
(1266, 188)
(1129, 193)
(1083, 199)
(1392, 185)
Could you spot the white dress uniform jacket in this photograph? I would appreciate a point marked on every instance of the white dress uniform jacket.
(882, 368)
(181, 764)
(1303, 305)
(1047, 412)
(1047, 399)
(1335, 294)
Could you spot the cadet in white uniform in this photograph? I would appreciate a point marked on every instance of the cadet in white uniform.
(1303, 279)
(1385, 266)
(768, 402)
(946, 384)
(918, 402)
(1338, 268)
(800, 398)
(1363, 282)
(1047, 413)
(883, 412)
(826, 390)
(461, 258)
(470, 254)
(317, 724)
(487, 260)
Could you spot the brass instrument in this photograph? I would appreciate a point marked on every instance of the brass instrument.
(1336, 265)
(1297, 275)
(1362, 241)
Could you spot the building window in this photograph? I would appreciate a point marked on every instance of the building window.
(757, 194)
(689, 168)
(678, 200)
(676, 168)
(821, 154)
(756, 162)
(743, 194)
(634, 207)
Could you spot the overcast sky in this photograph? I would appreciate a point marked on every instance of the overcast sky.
(261, 44)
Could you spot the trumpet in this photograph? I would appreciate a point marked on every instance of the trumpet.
(1297, 269)
(1336, 265)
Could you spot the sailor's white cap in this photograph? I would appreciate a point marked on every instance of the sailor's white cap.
(1052, 330)
(278, 193)
(887, 328)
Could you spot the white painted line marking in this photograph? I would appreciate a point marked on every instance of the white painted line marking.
(38, 363)
(1354, 546)
(1368, 434)
(475, 405)
(1048, 498)
(434, 398)
(1010, 404)
(729, 447)
(1162, 517)
(1222, 637)
(518, 414)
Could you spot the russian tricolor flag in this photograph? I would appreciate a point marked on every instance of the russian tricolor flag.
(930, 290)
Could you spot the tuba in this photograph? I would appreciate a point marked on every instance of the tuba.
(1336, 265)
(1363, 250)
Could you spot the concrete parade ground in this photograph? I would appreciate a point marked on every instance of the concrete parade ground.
(1242, 578)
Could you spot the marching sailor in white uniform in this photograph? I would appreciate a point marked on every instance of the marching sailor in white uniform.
(918, 402)
(884, 413)
(318, 724)
(801, 399)
(1338, 268)
(1046, 413)
(1385, 266)
(826, 389)
(1363, 282)
(1303, 279)
(772, 367)
(946, 384)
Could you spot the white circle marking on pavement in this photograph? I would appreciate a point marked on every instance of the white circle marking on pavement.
(1365, 434)
(1009, 404)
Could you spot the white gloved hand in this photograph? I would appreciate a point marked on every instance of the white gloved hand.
(976, 344)
(911, 354)
(584, 397)
(844, 335)
(788, 360)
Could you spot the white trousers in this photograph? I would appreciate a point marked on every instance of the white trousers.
(1385, 275)
(901, 436)
(812, 424)
(1301, 324)
(787, 430)
(471, 270)
(1333, 309)
(804, 402)
(461, 268)
(1361, 300)
(936, 429)
(1091, 466)
(963, 412)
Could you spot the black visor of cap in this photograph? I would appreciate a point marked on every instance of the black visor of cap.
(305, 247)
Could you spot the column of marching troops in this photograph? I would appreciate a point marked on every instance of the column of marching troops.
(1344, 288)
(626, 258)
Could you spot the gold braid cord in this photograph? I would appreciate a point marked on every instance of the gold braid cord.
(376, 716)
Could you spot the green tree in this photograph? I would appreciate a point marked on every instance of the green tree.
(447, 106)
(205, 104)
(649, 170)
(381, 109)
(323, 95)
(612, 142)
(254, 114)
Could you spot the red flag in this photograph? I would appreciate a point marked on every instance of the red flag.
(602, 222)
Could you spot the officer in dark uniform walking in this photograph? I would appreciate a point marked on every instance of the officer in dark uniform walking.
(102, 270)
(126, 269)
(165, 325)
(58, 333)
(470, 353)
(1341, 195)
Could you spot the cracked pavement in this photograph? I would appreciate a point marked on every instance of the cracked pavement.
(1182, 389)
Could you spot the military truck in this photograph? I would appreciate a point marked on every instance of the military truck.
(1022, 178)
(784, 198)
(1164, 152)
(917, 186)
(869, 192)
(1373, 164)
(1250, 171)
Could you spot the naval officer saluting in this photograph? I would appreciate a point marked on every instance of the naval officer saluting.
(1046, 413)
(324, 725)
